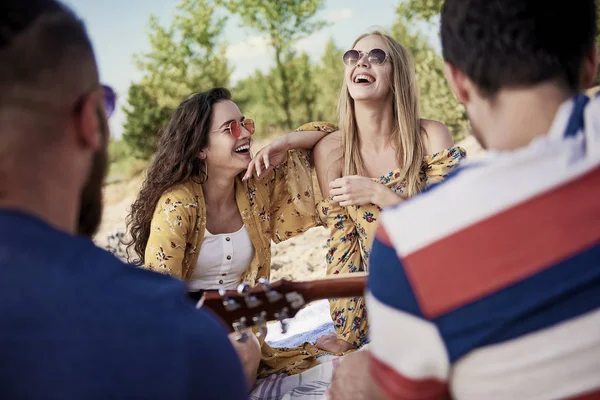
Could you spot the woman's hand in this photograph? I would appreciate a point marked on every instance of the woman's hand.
(268, 158)
(332, 344)
(356, 190)
(353, 190)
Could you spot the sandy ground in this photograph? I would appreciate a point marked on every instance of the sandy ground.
(300, 258)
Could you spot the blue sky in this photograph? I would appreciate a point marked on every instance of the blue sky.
(119, 30)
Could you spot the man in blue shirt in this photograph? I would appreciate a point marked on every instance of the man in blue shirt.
(75, 322)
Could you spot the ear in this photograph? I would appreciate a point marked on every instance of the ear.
(590, 68)
(458, 81)
(89, 122)
(202, 155)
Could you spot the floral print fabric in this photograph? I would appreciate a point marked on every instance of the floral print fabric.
(351, 231)
(275, 208)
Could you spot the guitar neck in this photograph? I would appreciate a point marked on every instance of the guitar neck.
(280, 301)
(334, 287)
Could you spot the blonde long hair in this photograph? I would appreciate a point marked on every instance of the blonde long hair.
(406, 134)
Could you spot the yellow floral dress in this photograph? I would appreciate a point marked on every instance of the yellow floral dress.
(275, 208)
(351, 231)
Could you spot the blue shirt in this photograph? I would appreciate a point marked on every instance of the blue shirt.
(77, 323)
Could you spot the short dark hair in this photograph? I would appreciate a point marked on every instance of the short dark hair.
(45, 50)
(516, 43)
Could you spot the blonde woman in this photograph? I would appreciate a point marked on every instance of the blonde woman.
(382, 154)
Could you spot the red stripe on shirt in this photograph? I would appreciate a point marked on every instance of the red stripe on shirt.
(507, 247)
(382, 235)
(398, 387)
(595, 395)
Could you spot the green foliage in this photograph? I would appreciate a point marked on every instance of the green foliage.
(424, 10)
(185, 57)
(437, 100)
(117, 151)
(121, 164)
(284, 22)
(260, 95)
(144, 117)
(328, 80)
(313, 88)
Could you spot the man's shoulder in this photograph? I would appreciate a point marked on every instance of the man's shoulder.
(487, 227)
(483, 189)
(138, 290)
(130, 280)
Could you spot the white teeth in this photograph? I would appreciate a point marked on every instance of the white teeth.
(368, 78)
(243, 147)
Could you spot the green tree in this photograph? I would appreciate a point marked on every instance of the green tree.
(314, 89)
(303, 89)
(144, 117)
(258, 95)
(328, 80)
(425, 10)
(255, 97)
(437, 100)
(186, 56)
(284, 22)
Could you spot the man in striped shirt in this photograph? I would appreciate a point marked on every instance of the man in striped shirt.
(488, 285)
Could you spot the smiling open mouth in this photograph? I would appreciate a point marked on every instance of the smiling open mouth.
(245, 148)
(362, 78)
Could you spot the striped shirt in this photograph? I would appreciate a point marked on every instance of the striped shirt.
(502, 299)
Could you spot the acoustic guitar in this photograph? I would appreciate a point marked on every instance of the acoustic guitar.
(248, 307)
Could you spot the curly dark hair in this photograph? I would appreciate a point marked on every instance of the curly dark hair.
(176, 160)
(515, 43)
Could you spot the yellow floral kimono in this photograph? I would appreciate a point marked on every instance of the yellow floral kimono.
(275, 208)
(351, 231)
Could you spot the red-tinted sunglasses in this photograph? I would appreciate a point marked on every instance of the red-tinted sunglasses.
(375, 57)
(235, 127)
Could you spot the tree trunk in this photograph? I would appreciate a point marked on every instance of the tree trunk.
(285, 95)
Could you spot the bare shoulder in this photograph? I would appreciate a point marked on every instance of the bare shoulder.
(437, 136)
(328, 149)
(328, 158)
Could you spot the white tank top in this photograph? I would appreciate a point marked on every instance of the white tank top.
(222, 260)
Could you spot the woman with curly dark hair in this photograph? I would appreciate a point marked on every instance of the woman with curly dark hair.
(207, 211)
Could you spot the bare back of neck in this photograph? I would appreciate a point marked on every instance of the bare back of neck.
(39, 195)
(515, 117)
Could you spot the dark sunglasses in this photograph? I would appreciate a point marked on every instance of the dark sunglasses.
(375, 57)
(110, 100)
(235, 128)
